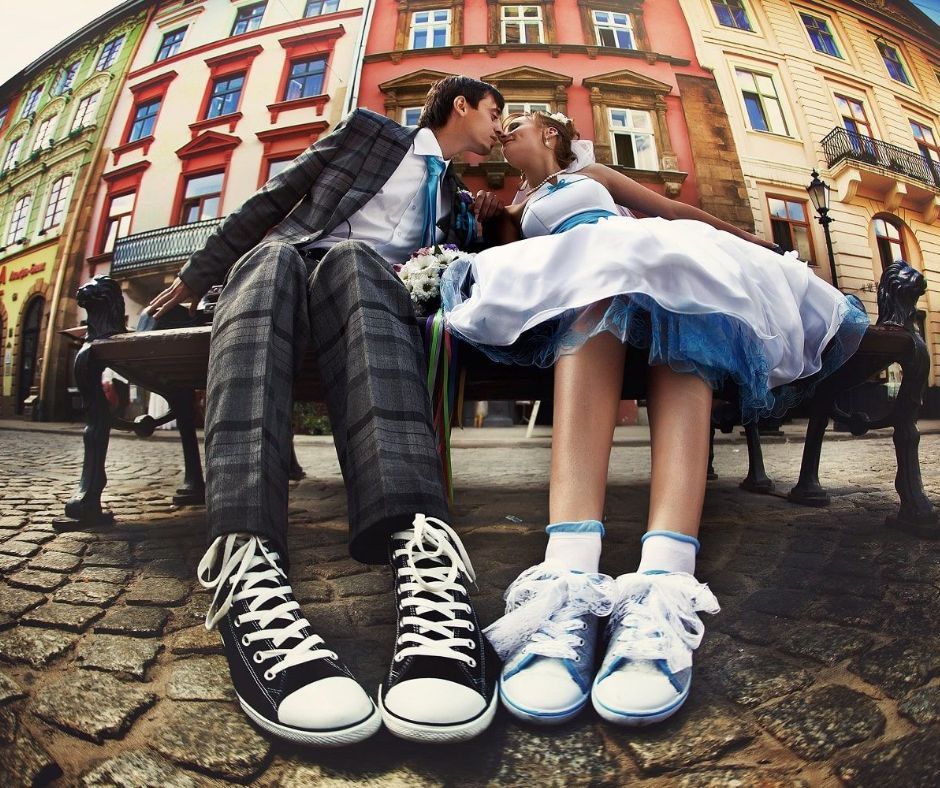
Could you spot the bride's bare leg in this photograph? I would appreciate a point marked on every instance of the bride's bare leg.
(587, 394)
(679, 407)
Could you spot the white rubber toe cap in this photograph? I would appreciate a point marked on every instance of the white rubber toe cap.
(435, 701)
(636, 688)
(334, 702)
(543, 686)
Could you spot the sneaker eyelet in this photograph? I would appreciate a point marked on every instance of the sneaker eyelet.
(470, 643)
(472, 663)
(237, 621)
(245, 641)
(471, 628)
(397, 658)
(268, 676)
(580, 641)
(577, 658)
(257, 657)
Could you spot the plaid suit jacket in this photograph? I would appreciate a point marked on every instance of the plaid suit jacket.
(320, 189)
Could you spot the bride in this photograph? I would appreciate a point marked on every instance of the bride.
(710, 303)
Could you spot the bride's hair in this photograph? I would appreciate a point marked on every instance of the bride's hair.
(566, 133)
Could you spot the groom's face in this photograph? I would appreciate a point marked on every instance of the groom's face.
(481, 126)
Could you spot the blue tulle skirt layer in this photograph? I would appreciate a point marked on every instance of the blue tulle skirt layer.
(718, 348)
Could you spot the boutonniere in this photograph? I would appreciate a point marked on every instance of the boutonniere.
(465, 223)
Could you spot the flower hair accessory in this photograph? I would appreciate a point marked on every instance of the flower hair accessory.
(560, 117)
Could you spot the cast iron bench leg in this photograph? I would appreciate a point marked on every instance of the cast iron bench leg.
(193, 490)
(808, 490)
(756, 480)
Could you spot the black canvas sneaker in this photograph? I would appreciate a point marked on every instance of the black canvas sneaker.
(286, 679)
(441, 683)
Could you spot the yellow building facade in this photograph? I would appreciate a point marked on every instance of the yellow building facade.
(851, 89)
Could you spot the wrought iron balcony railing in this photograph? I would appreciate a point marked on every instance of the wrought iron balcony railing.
(841, 144)
(158, 247)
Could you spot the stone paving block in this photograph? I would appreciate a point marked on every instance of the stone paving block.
(53, 561)
(824, 642)
(200, 678)
(911, 761)
(10, 563)
(835, 585)
(817, 723)
(191, 614)
(18, 548)
(307, 591)
(753, 627)
(35, 535)
(852, 612)
(533, 757)
(88, 593)
(307, 774)
(898, 666)
(93, 705)
(115, 654)
(751, 679)
(35, 647)
(16, 601)
(196, 640)
(698, 733)
(369, 584)
(9, 689)
(213, 738)
(914, 594)
(12, 521)
(785, 602)
(922, 705)
(72, 544)
(58, 615)
(133, 621)
(25, 761)
(36, 580)
(158, 591)
(738, 778)
(169, 567)
(336, 569)
(138, 769)
(6, 621)
(94, 574)
(108, 554)
(724, 582)
(373, 611)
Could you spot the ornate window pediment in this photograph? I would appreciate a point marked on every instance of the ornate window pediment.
(409, 90)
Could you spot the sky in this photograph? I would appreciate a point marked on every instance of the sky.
(61, 18)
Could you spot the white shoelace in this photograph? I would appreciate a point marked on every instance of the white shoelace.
(657, 616)
(545, 608)
(246, 564)
(440, 619)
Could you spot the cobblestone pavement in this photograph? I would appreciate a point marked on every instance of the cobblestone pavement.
(821, 668)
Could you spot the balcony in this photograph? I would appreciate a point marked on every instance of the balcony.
(153, 248)
(867, 167)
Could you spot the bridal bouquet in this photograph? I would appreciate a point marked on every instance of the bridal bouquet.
(421, 275)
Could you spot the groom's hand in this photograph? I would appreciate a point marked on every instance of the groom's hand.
(173, 295)
(486, 206)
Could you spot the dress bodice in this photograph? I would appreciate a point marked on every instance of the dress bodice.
(550, 207)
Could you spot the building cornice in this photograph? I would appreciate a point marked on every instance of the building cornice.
(555, 50)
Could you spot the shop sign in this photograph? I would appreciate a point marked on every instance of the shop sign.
(21, 273)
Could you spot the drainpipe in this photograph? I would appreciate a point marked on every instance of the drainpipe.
(352, 98)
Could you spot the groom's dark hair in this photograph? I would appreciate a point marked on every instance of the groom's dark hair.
(440, 101)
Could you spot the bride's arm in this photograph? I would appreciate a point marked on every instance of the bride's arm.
(505, 227)
(630, 194)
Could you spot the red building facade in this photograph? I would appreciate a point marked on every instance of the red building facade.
(625, 72)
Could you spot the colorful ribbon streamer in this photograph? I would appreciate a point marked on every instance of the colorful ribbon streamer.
(442, 387)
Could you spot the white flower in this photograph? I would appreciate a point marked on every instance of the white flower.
(560, 117)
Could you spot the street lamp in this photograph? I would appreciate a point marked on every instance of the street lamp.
(819, 196)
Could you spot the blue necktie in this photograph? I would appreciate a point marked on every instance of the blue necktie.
(435, 170)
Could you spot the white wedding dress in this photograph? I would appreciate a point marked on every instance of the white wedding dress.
(699, 299)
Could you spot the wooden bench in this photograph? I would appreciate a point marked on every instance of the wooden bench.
(173, 363)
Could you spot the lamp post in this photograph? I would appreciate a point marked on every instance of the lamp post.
(819, 195)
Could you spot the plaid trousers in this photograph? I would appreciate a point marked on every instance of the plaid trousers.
(371, 359)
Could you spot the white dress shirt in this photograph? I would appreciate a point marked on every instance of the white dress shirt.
(391, 222)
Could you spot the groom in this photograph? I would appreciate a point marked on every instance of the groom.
(308, 259)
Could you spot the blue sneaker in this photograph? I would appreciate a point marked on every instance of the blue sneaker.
(547, 641)
(647, 671)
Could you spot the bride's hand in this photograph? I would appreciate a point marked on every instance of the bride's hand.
(486, 205)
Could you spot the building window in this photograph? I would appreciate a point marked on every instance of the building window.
(170, 44)
(109, 53)
(521, 24)
(613, 30)
(319, 7)
(118, 222)
(202, 198)
(145, 118)
(305, 79)
(820, 35)
(732, 13)
(12, 152)
(58, 197)
(893, 62)
(889, 241)
(226, 92)
(32, 101)
(856, 124)
(632, 140)
(248, 18)
(790, 226)
(85, 114)
(67, 78)
(430, 29)
(44, 133)
(410, 116)
(3, 115)
(524, 108)
(277, 166)
(926, 143)
(764, 111)
(17, 231)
